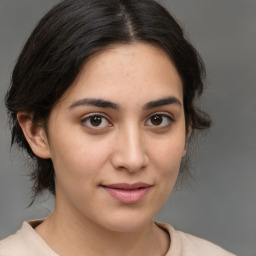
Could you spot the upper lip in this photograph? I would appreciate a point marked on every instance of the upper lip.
(127, 186)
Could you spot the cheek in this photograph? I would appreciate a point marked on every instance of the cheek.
(169, 153)
(167, 157)
(78, 157)
(77, 168)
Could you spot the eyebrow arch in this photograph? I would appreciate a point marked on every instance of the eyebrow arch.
(162, 102)
(108, 104)
(94, 102)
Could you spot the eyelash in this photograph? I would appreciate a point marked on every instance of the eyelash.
(107, 123)
(169, 119)
(95, 115)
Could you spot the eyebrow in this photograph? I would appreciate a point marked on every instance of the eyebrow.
(162, 102)
(108, 104)
(94, 102)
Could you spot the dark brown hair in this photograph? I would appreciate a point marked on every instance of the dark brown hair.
(71, 32)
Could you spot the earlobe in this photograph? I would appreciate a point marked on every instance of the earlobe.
(34, 134)
(184, 152)
(188, 134)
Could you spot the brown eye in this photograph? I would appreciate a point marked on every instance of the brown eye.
(95, 121)
(156, 120)
(159, 120)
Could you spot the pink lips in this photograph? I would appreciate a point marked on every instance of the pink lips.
(127, 193)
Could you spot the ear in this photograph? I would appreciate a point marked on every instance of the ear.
(35, 135)
(188, 134)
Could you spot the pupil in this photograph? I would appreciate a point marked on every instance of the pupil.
(156, 120)
(96, 120)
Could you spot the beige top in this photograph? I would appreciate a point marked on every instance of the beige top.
(26, 242)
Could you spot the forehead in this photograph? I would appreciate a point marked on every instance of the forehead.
(135, 70)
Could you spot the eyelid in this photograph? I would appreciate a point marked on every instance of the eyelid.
(95, 114)
(162, 114)
(102, 115)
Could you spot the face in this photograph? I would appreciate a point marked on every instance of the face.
(117, 137)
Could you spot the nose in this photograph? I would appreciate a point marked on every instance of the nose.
(129, 151)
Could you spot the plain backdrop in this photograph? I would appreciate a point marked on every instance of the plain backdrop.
(219, 204)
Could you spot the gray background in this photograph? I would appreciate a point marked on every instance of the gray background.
(219, 204)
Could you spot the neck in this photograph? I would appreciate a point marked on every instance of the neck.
(67, 235)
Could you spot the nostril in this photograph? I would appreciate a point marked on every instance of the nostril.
(129, 153)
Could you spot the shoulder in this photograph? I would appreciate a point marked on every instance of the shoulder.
(26, 242)
(201, 246)
(13, 244)
(184, 244)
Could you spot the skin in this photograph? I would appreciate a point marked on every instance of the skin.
(133, 142)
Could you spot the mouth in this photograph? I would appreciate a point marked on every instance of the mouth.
(127, 193)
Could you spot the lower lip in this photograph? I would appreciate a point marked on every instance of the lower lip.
(127, 196)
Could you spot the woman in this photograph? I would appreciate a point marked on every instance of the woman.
(103, 99)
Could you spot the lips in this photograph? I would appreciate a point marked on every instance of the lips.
(127, 193)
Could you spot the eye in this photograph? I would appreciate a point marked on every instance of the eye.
(96, 121)
(159, 120)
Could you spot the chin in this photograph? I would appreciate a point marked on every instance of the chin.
(128, 222)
